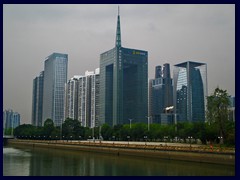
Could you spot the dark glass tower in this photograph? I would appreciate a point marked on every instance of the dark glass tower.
(161, 92)
(190, 91)
(123, 84)
(37, 100)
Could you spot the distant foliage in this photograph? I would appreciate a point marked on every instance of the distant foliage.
(72, 129)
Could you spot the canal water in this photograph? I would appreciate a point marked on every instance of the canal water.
(55, 162)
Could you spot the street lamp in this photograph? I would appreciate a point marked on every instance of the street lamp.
(220, 139)
(128, 139)
(145, 137)
(165, 139)
(190, 137)
(130, 120)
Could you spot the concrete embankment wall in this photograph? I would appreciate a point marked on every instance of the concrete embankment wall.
(216, 158)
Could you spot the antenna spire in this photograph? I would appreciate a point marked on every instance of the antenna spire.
(118, 33)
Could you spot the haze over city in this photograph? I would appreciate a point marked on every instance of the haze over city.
(170, 33)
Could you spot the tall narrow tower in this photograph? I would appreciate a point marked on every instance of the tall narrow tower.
(123, 83)
(55, 77)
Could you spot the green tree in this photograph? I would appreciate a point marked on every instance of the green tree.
(72, 129)
(106, 132)
(48, 127)
(217, 110)
(25, 131)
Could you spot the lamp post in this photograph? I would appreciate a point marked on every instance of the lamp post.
(145, 137)
(130, 121)
(128, 139)
(165, 139)
(220, 139)
(190, 137)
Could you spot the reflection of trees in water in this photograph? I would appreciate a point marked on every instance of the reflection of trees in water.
(57, 162)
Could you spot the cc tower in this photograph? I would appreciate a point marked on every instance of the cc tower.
(123, 83)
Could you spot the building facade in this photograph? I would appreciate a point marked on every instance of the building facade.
(123, 84)
(88, 99)
(82, 98)
(37, 100)
(71, 98)
(55, 77)
(190, 91)
(11, 119)
(231, 109)
(161, 94)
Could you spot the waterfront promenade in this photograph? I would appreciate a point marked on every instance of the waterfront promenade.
(162, 150)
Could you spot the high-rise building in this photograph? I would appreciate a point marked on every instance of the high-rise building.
(231, 108)
(161, 93)
(37, 100)
(71, 98)
(11, 119)
(190, 91)
(123, 84)
(88, 99)
(55, 77)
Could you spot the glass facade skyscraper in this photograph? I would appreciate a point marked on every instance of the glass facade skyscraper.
(55, 77)
(123, 84)
(37, 100)
(190, 91)
(11, 119)
(160, 93)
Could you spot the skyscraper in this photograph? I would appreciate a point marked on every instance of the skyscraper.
(71, 98)
(11, 119)
(37, 100)
(88, 99)
(190, 91)
(55, 77)
(82, 98)
(161, 93)
(123, 84)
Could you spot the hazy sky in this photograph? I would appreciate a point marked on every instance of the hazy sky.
(170, 33)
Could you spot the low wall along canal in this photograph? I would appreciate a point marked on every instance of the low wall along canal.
(171, 152)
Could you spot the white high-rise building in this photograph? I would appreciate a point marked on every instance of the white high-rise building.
(82, 98)
(71, 98)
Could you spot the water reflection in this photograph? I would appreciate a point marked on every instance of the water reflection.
(55, 162)
(16, 162)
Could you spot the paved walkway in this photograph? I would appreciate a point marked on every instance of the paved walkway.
(146, 143)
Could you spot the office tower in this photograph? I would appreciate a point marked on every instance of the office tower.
(161, 94)
(71, 98)
(231, 108)
(37, 100)
(11, 119)
(123, 84)
(190, 91)
(88, 99)
(55, 77)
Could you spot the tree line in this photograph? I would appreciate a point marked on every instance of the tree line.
(182, 132)
(217, 128)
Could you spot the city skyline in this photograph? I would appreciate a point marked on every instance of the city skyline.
(170, 33)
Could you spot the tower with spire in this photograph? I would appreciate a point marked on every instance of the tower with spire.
(123, 83)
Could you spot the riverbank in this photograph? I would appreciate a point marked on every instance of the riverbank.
(183, 153)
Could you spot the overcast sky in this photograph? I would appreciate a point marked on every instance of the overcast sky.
(170, 33)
